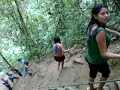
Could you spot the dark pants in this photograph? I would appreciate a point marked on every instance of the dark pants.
(9, 87)
(102, 68)
(19, 74)
(12, 79)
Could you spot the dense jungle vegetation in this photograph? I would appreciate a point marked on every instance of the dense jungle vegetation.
(28, 26)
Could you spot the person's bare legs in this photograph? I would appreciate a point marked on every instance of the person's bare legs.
(30, 72)
(102, 83)
(62, 64)
(58, 65)
(91, 85)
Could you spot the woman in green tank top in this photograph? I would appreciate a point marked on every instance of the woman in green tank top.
(97, 43)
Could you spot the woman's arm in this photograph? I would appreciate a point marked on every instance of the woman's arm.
(101, 41)
(65, 50)
(26, 66)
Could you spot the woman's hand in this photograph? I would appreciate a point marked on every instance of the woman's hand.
(70, 49)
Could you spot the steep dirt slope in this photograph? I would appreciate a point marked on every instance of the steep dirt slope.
(47, 77)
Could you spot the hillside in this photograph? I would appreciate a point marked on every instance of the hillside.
(47, 77)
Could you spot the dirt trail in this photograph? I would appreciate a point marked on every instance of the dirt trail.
(47, 77)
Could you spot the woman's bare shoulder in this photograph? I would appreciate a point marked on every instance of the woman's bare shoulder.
(60, 44)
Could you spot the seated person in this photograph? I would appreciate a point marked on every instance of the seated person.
(6, 83)
(22, 62)
(17, 72)
(11, 76)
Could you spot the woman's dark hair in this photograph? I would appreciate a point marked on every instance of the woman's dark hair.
(26, 63)
(57, 39)
(19, 59)
(95, 10)
(7, 73)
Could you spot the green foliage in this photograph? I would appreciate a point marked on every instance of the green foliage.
(28, 26)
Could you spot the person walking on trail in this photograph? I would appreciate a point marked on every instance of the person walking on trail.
(59, 52)
(27, 70)
(6, 83)
(22, 62)
(98, 41)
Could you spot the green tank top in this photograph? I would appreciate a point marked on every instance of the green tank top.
(93, 54)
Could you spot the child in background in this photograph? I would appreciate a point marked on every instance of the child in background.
(22, 62)
(27, 70)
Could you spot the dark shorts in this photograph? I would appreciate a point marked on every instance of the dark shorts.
(59, 59)
(102, 68)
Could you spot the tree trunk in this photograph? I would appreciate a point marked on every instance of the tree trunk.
(5, 60)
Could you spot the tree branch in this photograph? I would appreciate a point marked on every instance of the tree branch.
(5, 59)
(113, 32)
